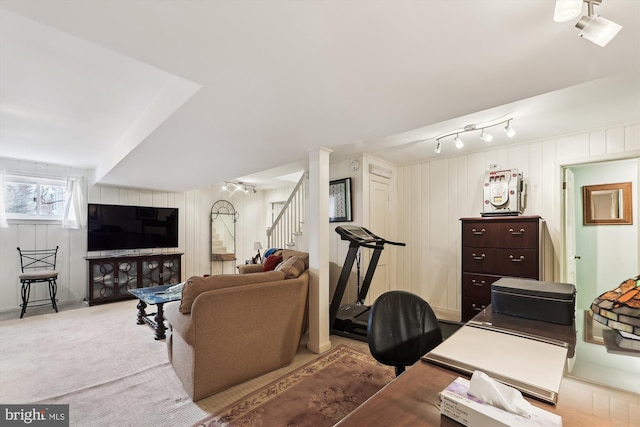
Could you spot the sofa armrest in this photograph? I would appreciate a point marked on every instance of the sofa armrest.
(250, 268)
(180, 323)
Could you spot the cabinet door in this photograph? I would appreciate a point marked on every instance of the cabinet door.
(171, 269)
(151, 271)
(127, 276)
(102, 284)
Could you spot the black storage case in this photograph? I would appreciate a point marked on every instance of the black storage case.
(532, 299)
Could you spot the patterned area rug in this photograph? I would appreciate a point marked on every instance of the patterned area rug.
(320, 393)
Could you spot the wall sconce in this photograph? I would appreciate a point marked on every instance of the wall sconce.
(232, 187)
(487, 137)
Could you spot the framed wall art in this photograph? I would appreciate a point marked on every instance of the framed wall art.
(607, 204)
(340, 200)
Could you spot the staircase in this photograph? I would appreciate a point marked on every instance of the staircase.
(288, 226)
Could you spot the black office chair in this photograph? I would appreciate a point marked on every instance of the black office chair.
(38, 266)
(402, 328)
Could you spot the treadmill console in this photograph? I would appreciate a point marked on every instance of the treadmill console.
(357, 234)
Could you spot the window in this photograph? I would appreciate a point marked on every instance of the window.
(28, 197)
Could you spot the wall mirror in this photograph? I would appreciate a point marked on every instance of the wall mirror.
(607, 204)
(223, 231)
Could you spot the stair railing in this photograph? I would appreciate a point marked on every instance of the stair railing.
(290, 220)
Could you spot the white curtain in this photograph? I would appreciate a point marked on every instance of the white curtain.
(3, 214)
(74, 210)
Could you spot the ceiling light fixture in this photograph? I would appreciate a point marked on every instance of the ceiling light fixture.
(470, 128)
(232, 187)
(592, 27)
(458, 142)
(566, 10)
(486, 136)
(438, 147)
(509, 130)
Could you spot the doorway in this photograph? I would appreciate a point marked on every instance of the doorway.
(598, 257)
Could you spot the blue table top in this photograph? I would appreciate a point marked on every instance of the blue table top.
(156, 294)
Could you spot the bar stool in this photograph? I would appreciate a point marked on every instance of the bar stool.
(38, 266)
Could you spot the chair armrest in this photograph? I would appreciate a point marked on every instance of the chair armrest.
(250, 268)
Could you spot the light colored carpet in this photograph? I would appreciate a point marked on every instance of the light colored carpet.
(107, 368)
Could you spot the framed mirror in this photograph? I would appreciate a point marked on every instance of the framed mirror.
(607, 204)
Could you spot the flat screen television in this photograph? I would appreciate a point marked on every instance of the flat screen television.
(119, 227)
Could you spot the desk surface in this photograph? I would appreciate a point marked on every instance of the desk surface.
(413, 398)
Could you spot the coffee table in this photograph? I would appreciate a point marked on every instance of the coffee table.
(154, 295)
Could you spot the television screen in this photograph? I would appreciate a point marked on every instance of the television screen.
(118, 227)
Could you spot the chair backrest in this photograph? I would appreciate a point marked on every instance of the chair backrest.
(402, 328)
(38, 259)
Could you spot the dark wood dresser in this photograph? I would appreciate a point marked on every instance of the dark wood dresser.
(495, 247)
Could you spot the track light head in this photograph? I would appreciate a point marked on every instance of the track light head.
(458, 142)
(597, 29)
(485, 136)
(566, 10)
(438, 146)
(509, 130)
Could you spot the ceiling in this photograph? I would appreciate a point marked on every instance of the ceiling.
(176, 95)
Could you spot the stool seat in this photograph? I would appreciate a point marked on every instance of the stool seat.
(39, 275)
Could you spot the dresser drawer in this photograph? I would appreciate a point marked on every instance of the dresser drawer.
(518, 234)
(516, 263)
(481, 234)
(473, 306)
(479, 260)
(477, 285)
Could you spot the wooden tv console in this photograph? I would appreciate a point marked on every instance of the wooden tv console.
(111, 277)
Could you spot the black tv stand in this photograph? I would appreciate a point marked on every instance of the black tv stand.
(351, 320)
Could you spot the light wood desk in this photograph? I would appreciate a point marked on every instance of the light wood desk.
(412, 399)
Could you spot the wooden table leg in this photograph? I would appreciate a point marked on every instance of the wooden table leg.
(160, 328)
(141, 312)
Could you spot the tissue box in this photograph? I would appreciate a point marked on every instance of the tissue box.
(532, 299)
(457, 404)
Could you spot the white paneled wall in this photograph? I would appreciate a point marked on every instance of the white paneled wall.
(434, 195)
(194, 216)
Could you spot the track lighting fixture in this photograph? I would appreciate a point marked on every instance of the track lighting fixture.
(487, 137)
(592, 27)
(232, 187)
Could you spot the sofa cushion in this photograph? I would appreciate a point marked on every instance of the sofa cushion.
(197, 284)
(292, 267)
(271, 262)
(304, 256)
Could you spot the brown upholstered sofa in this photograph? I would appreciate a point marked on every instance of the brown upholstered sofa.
(230, 328)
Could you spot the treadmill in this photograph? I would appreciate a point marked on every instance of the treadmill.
(351, 320)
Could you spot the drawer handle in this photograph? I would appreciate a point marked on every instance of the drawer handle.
(516, 233)
(516, 259)
(476, 308)
(476, 232)
(473, 282)
(477, 257)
